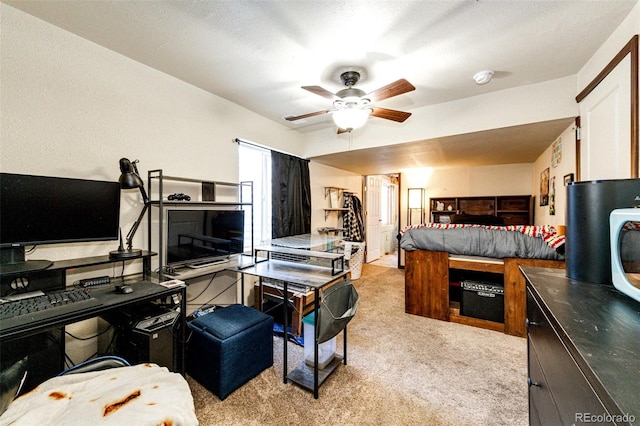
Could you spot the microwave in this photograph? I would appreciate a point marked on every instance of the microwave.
(625, 251)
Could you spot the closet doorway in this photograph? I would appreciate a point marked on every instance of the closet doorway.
(382, 219)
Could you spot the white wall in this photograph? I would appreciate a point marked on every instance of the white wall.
(567, 164)
(509, 179)
(325, 176)
(610, 48)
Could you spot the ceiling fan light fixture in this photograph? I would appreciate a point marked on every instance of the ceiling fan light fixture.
(483, 77)
(352, 106)
(351, 118)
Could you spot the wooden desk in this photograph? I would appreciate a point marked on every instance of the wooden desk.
(302, 274)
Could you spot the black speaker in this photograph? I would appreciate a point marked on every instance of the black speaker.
(484, 300)
(146, 334)
(589, 204)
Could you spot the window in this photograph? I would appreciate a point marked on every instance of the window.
(255, 166)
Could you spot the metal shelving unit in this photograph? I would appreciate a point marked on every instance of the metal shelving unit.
(209, 195)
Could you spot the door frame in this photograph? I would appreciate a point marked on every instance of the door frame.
(397, 211)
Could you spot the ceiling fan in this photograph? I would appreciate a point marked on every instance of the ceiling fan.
(352, 106)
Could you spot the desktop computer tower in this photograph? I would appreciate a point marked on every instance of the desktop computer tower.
(145, 334)
(589, 204)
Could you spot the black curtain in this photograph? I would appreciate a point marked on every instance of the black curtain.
(291, 195)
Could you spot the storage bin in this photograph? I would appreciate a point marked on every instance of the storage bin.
(354, 259)
(326, 350)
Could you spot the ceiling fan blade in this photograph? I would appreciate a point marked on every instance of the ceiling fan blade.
(311, 114)
(390, 114)
(341, 130)
(321, 92)
(394, 89)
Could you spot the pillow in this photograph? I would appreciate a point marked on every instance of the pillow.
(11, 381)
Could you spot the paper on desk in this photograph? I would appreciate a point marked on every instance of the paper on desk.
(173, 283)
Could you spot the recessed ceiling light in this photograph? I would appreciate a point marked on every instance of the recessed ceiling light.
(483, 77)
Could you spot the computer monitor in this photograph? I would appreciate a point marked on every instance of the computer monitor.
(37, 210)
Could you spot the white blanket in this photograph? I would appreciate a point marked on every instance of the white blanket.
(144, 394)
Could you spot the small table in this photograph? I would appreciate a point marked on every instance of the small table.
(312, 276)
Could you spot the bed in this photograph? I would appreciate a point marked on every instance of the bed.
(434, 252)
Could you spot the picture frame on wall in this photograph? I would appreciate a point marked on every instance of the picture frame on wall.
(556, 152)
(552, 197)
(544, 187)
(568, 179)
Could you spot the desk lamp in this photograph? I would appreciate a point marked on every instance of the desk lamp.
(130, 179)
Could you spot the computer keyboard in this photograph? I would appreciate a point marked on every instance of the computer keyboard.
(50, 305)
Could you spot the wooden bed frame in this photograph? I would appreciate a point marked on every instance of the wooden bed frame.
(427, 287)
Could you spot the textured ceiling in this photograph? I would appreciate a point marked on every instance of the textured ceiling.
(259, 53)
(517, 144)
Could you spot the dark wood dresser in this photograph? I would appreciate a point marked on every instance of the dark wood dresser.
(583, 350)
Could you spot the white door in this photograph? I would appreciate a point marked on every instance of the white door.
(605, 120)
(372, 218)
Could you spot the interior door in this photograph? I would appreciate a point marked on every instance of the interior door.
(372, 218)
(605, 117)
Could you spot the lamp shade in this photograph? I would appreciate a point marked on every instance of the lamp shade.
(416, 198)
(129, 179)
(351, 118)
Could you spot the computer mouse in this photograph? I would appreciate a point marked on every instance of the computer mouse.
(124, 289)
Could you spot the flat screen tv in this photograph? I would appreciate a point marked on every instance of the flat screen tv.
(37, 210)
(198, 236)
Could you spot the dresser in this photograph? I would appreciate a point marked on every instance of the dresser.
(583, 351)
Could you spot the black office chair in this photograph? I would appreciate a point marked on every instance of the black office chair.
(11, 381)
(97, 364)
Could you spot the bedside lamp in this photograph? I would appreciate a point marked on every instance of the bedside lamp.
(130, 179)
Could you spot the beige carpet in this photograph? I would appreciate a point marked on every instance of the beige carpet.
(402, 370)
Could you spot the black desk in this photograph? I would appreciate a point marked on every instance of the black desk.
(143, 292)
(312, 276)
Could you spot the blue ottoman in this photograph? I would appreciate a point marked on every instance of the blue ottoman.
(228, 347)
